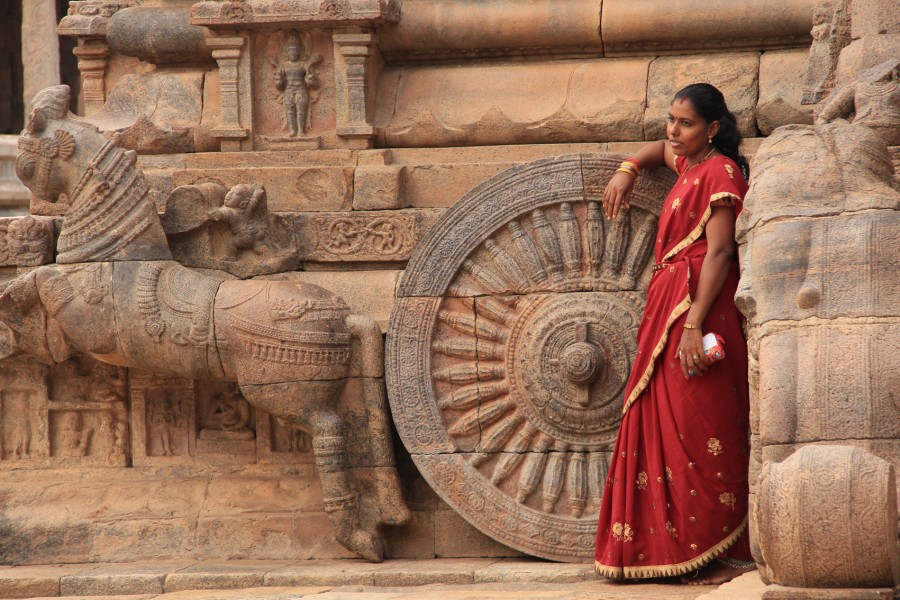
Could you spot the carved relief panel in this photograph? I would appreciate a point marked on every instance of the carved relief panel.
(162, 419)
(23, 413)
(509, 348)
(294, 95)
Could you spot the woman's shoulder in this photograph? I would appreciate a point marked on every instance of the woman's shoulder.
(721, 167)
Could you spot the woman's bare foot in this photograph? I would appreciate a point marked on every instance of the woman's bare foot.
(719, 571)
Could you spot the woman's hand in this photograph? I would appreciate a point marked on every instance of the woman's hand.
(617, 194)
(690, 353)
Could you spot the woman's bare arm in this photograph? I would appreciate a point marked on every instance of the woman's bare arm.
(618, 191)
(719, 254)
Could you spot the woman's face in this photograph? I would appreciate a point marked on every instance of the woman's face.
(688, 132)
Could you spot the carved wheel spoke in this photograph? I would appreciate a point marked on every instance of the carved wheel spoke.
(525, 303)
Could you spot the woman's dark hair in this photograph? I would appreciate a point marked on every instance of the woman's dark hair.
(709, 102)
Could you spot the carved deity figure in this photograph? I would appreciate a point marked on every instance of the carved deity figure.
(73, 437)
(295, 78)
(164, 417)
(246, 213)
(28, 241)
(18, 442)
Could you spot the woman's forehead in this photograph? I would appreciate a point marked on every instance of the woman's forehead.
(683, 108)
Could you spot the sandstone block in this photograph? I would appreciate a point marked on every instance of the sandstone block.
(735, 74)
(516, 570)
(820, 383)
(33, 581)
(780, 592)
(781, 74)
(261, 537)
(455, 537)
(256, 593)
(416, 539)
(217, 574)
(289, 189)
(645, 26)
(323, 572)
(120, 579)
(377, 187)
(478, 105)
(874, 17)
(424, 572)
(238, 495)
(160, 537)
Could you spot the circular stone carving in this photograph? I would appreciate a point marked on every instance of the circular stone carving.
(510, 345)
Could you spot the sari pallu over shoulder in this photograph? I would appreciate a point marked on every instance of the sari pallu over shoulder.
(679, 252)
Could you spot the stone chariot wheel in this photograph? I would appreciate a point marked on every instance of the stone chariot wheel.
(510, 345)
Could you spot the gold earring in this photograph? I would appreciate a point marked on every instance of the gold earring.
(710, 139)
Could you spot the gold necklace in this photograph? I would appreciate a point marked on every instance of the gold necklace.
(708, 154)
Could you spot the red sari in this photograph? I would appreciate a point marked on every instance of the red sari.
(676, 494)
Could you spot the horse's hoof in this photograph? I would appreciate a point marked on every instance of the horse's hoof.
(367, 545)
(395, 514)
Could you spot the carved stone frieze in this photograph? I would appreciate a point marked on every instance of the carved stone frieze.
(505, 390)
(90, 17)
(308, 12)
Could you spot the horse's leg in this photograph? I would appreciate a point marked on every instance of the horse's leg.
(310, 404)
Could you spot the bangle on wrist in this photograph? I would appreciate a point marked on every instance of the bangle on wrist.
(691, 326)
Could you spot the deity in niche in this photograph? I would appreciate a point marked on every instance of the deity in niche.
(164, 418)
(229, 416)
(105, 436)
(295, 78)
(17, 443)
(246, 213)
(73, 437)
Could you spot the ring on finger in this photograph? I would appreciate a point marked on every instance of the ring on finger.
(690, 372)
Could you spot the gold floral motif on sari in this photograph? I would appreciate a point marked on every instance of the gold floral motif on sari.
(622, 532)
(669, 475)
(671, 529)
(728, 499)
(642, 480)
(714, 446)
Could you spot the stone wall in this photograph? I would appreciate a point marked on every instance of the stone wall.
(412, 106)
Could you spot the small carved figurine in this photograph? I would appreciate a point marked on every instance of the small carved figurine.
(246, 213)
(73, 438)
(295, 77)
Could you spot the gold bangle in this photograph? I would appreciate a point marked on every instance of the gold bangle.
(628, 170)
(690, 326)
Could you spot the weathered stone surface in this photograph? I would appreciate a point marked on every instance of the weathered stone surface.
(516, 570)
(13, 195)
(872, 99)
(291, 188)
(455, 537)
(818, 269)
(220, 575)
(813, 529)
(778, 592)
(517, 379)
(157, 34)
(831, 33)
(865, 53)
(377, 187)
(40, 49)
(120, 580)
(822, 187)
(816, 383)
(646, 27)
(476, 105)
(154, 113)
(416, 539)
(309, 12)
(419, 572)
(781, 74)
(874, 18)
(735, 74)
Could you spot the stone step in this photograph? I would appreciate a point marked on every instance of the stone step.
(444, 579)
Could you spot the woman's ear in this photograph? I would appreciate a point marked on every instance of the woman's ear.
(714, 128)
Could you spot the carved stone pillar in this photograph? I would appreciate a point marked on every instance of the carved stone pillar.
(353, 52)
(93, 57)
(40, 48)
(228, 53)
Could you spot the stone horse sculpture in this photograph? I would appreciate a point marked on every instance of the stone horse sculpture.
(116, 295)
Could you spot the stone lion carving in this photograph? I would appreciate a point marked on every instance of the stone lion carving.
(116, 295)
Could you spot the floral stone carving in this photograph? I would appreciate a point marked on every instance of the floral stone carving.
(116, 296)
(509, 347)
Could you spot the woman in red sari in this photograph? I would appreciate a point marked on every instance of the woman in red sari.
(675, 501)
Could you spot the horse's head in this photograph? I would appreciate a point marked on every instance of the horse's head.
(53, 145)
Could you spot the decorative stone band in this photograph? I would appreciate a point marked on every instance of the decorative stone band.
(271, 344)
(329, 451)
